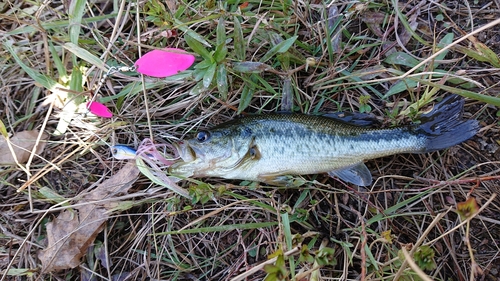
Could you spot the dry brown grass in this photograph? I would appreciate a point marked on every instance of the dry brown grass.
(157, 235)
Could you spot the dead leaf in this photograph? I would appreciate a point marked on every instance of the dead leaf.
(70, 234)
(22, 143)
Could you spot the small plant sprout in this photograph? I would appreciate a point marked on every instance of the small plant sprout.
(424, 257)
(468, 208)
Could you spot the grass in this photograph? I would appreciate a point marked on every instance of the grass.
(426, 217)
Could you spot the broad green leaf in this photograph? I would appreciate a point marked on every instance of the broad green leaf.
(199, 73)
(400, 86)
(220, 53)
(401, 58)
(209, 75)
(182, 26)
(221, 32)
(445, 41)
(250, 67)
(280, 48)
(239, 44)
(222, 85)
(246, 98)
(197, 47)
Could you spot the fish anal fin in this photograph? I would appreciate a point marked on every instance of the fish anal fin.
(357, 174)
(281, 180)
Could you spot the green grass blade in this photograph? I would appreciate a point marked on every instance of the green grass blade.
(76, 11)
(279, 49)
(85, 55)
(40, 78)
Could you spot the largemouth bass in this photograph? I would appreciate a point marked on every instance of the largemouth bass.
(273, 148)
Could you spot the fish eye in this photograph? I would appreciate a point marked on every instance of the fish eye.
(202, 136)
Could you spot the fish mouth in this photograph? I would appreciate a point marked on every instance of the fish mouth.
(186, 152)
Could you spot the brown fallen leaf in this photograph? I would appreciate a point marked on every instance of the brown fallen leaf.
(73, 230)
(22, 143)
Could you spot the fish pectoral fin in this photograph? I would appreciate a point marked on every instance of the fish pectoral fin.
(281, 180)
(357, 174)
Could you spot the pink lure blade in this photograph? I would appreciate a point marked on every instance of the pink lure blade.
(163, 63)
(99, 109)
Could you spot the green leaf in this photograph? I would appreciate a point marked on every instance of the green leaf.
(3, 130)
(482, 53)
(203, 64)
(222, 85)
(445, 41)
(197, 47)
(209, 75)
(76, 11)
(76, 82)
(221, 32)
(246, 95)
(250, 67)
(401, 58)
(400, 86)
(220, 53)
(280, 48)
(198, 38)
(61, 69)
(239, 44)
(85, 55)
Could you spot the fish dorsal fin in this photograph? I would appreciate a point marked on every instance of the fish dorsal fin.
(353, 118)
(357, 174)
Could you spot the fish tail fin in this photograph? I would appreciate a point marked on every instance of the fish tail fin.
(444, 125)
